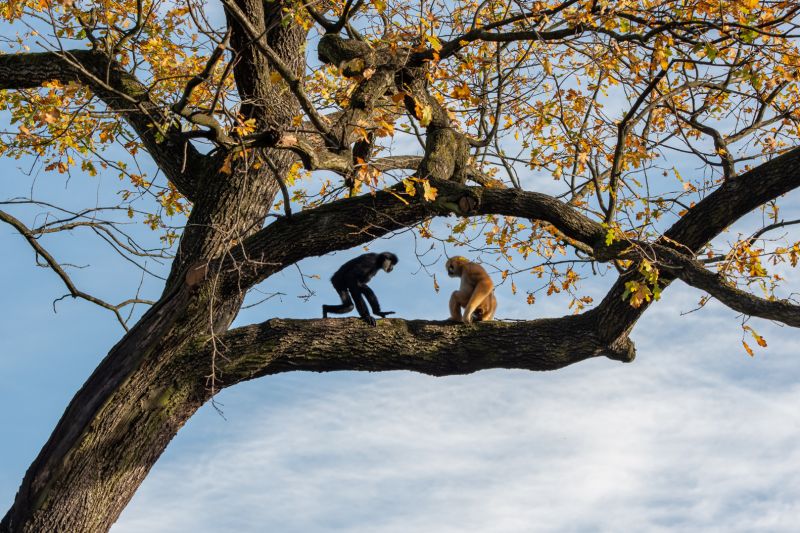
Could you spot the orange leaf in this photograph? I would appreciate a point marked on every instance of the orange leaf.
(748, 349)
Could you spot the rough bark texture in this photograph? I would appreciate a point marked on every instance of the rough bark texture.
(121, 420)
(434, 348)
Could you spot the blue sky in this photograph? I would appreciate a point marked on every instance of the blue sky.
(692, 436)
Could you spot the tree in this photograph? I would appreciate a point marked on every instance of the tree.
(240, 113)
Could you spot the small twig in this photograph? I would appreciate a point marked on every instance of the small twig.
(57, 268)
(287, 209)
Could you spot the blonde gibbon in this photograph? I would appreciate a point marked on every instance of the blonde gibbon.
(476, 294)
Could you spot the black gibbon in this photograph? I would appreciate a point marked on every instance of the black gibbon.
(350, 281)
(476, 294)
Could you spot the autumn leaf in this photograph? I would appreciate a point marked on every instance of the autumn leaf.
(226, 165)
(758, 338)
(428, 192)
(434, 41)
(411, 189)
(423, 112)
(748, 349)
(461, 92)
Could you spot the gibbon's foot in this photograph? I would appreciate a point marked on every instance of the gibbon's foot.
(383, 314)
(370, 321)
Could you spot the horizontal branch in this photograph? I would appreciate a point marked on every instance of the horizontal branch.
(436, 348)
(352, 221)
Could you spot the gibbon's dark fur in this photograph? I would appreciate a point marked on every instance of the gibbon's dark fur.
(350, 282)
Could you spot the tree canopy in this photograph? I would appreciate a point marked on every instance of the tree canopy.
(557, 140)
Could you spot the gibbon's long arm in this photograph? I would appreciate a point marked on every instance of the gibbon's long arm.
(374, 303)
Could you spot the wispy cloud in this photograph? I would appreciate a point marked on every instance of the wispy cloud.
(671, 442)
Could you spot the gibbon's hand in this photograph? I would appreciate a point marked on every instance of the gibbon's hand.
(383, 314)
(370, 321)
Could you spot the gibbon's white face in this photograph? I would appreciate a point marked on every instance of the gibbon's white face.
(387, 265)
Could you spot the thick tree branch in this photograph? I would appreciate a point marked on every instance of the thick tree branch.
(693, 273)
(708, 218)
(123, 93)
(346, 223)
(429, 347)
(283, 68)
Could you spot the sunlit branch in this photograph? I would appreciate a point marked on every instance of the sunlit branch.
(694, 274)
(295, 84)
(429, 347)
(173, 153)
(199, 118)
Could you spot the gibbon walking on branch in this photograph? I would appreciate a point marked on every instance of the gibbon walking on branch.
(350, 282)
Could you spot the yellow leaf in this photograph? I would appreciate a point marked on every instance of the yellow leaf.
(461, 91)
(428, 192)
(385, 129)
(409, 185)
(423, 112)
(548, 67)
(427, 115)
(434, 41)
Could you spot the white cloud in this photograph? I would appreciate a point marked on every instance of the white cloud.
(679, 440)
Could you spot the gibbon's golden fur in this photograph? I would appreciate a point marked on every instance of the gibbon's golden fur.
(476, 294)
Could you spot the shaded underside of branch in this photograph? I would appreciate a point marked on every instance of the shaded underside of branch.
(437, 348)
(346, 223)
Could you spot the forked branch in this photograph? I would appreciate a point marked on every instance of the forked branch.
(59, 270)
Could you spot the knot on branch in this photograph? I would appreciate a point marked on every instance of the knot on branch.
(468, 204)
(623, 350)
(350, 55)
